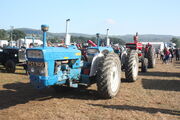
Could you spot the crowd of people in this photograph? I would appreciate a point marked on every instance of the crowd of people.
(167, 55)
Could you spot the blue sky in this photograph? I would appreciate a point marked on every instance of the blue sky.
(92, 16)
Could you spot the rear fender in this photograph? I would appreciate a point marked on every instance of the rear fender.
(123, 57)
(94, 64)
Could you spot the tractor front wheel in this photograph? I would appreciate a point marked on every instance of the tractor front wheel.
(144, 65)
(131, 66)
(108, 76)
(10, 66)
(151, 58)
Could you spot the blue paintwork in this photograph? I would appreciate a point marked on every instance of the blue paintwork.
(100, 48)
(44, 29)
(58, 53)
(68, 73)
(44, 39)
(117, 51)
(99, 41)
(65, 72)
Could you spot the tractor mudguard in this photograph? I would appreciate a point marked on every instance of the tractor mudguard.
(95, 63)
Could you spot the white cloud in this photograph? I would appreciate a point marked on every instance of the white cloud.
(110, 21)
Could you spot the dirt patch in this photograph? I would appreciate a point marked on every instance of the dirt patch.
(155, 96)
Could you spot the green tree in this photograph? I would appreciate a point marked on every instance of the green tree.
(17, 34)
(176, 41)
(85, 39)
(117, 40)
(3, 34)
(54, 39)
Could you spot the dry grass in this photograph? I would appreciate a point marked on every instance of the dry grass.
(155, 96)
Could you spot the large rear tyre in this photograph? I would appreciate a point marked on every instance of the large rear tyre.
(144, 65)
(131, 66)
(151, 58)
(10, 66)
(108, 76)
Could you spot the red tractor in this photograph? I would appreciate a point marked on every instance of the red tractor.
(137, 53)
(83, 47)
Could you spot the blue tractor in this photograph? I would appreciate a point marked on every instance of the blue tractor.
(64, 66)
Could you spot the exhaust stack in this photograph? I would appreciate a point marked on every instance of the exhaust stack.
(98, 39)
(67, 37)
(107, 38)
(44, 28)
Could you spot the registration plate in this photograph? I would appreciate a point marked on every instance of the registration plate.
(38, 64)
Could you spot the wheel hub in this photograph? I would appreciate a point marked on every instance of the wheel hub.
(135, 69)
(114, 78)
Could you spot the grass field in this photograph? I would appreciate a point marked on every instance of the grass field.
(155, 96)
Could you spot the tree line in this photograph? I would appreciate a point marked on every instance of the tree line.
(82, 39)
(14, 34)
(18, 34)
(176, 41)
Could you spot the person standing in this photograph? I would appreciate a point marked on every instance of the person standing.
(158, 52)
(31, 45)
(161, 55)
(177, 53)
(166, 55)
(171, 54)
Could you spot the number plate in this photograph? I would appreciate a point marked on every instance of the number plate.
(38, 64)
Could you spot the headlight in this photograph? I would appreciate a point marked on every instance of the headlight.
(92, 51)
(32, 70)
(34, 54)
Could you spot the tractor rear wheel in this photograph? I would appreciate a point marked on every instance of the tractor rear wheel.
(108, 76)
(10, 66)
(151, 58)
(131, 66)
(144, 65)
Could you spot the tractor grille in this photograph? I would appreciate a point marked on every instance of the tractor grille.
(37, 68)
(131, 46)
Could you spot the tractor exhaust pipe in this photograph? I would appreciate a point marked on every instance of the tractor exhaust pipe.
(67, 37)
(107, 38)
(136, 38)
(44, 28)
(98, 39)
(24, 44)
(33, 39)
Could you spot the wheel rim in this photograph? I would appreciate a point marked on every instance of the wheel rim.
(135, 69)
(114, 80)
